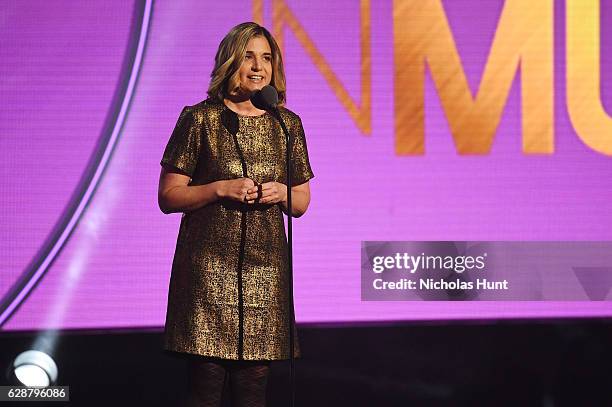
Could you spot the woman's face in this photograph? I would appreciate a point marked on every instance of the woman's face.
(256, 69)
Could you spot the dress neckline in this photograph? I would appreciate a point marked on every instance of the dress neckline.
(242, 115)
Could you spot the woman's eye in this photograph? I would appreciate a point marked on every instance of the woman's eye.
(268, 59)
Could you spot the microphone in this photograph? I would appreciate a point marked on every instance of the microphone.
(265, 99)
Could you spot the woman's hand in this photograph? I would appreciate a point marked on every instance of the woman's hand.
(274, 192)
(267, 193)
(237, 189)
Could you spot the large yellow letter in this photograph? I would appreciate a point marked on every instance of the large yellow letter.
(360, 113)
(524, 34)
(588, 116)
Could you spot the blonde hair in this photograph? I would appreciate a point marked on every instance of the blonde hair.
(230, 55)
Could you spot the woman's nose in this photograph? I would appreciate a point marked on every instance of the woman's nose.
(256, 66)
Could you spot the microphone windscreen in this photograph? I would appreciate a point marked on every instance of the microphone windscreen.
(266, 98)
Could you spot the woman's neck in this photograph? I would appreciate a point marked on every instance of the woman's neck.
(242, 106)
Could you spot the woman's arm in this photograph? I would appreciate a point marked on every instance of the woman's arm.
(176, 195)
(276, 192)
(300, 199)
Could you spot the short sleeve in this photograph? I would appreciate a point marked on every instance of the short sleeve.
(183, 148)
(301, 165)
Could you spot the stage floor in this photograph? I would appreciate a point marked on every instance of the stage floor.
(504, 363)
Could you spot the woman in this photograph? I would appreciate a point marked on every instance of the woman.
(224, 167)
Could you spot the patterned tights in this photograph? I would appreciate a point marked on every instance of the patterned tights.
(247, 382)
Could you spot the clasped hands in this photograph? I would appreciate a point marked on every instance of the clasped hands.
(248, 191)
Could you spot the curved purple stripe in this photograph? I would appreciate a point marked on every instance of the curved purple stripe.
(31, 277)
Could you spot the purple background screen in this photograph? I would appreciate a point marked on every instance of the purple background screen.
(61, 66)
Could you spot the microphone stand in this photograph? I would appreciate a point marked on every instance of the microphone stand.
(267, 98)
(289, 166)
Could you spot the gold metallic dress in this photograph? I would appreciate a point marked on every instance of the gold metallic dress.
(228, 294)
